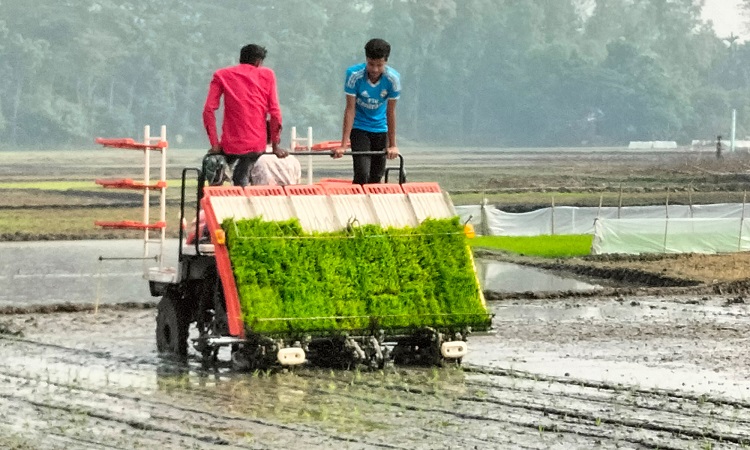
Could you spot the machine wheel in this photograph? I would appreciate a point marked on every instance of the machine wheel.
(172, 325)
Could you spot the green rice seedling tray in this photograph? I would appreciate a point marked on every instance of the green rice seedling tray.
(361, 279)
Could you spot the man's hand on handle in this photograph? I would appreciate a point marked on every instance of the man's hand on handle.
(391, 152)
(279, 152)
(214, 149)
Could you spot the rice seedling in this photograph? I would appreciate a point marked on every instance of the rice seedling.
(546, 246)
(389, 278)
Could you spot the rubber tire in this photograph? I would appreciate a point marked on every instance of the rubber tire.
(172, 326)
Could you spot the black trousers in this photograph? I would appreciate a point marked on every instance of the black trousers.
(241, 172)
(368, 169)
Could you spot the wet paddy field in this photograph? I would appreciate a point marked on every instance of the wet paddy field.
(668, 372)
(574, 370)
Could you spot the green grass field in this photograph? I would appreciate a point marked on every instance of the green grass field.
(546, 246)
(75, 223)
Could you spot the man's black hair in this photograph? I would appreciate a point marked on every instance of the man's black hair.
(377, 49)
(252, 54)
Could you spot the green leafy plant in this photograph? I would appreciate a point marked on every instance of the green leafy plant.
(363, 278)
(547, 246)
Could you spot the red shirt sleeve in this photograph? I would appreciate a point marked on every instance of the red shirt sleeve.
(274, 111)
(213, 100)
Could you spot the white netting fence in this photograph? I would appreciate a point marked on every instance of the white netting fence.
(633, 229)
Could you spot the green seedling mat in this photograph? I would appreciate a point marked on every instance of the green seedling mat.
(361, 279)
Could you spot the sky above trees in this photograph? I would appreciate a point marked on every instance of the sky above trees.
(726, 17)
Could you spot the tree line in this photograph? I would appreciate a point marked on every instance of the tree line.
(474, 72)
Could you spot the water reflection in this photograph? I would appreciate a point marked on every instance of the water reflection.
(506, 277)
(48, 272)
(71, 271)
(343, 400)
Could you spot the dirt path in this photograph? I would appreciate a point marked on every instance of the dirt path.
(642, 372)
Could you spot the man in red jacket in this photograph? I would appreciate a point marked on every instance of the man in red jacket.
(250, 97)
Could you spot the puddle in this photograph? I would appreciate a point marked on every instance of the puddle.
(507, 277)
(654, 311)
(33, 273)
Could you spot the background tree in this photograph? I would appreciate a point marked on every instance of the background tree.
(475, 72)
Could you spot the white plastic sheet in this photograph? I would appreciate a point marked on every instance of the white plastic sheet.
(636, 236)
(574, 220)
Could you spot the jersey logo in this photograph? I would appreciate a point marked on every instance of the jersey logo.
(383, 93)
(365, 94)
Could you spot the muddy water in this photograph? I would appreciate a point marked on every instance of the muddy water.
(500, 276)
(72, 271)
(635, 373)
(91, 271)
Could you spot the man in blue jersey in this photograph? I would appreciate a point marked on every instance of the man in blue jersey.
(372, 89)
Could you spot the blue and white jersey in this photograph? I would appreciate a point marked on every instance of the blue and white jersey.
(371, 98)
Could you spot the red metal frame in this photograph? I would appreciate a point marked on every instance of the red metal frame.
(334, 181)
(129, 144)
(304, 189)
(264, 191)
(385, 188)
(130, 224)
(221, 253)
(127, 183)
(322, 146)
(342, 189)
(421, 188)
(223, 191)
(224, 266)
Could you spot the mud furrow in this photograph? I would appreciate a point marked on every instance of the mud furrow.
(132, 423)
(92, 380)
(533, 422)
(101, 354)
(395, 422)
(78, 442)
(53, 440)
(610, 401)
(636, 424)
(177, 415)
(605, 400)
(702, 398)
(45, 428)
(586, 414)
(384, 419)
(670, 414)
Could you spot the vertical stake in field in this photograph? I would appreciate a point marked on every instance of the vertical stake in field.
(742, 222)
(666, 222)
(98, 288)
(552, 218)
